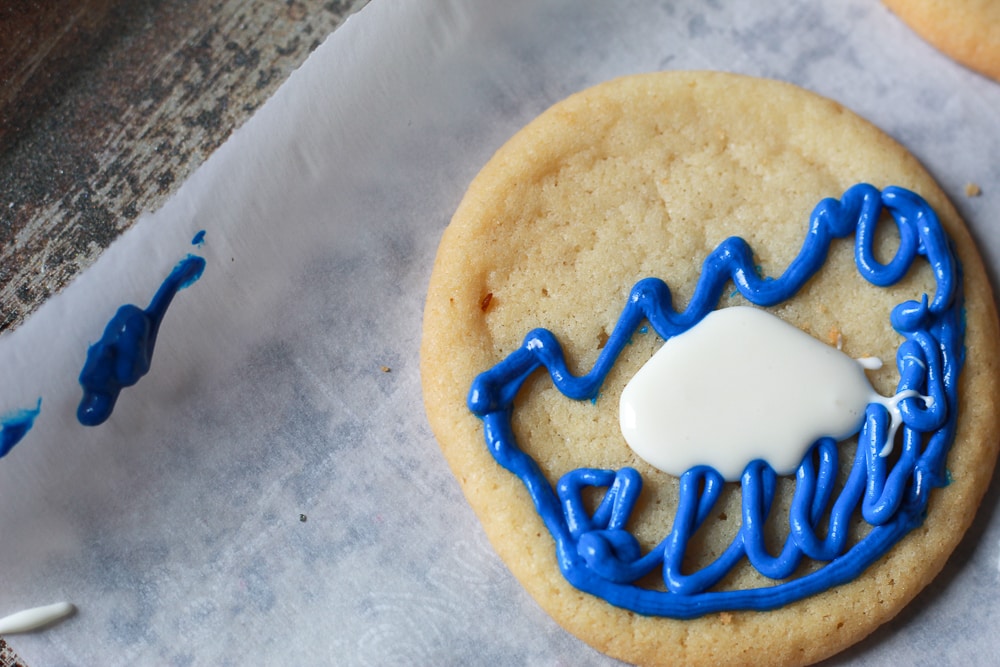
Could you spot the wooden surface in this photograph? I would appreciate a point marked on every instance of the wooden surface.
(106, 106)
(7, 656)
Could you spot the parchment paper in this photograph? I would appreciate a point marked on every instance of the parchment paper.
(270, 494)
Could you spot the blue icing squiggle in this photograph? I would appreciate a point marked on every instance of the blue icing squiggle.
(123, 354)
(15, 425)
(598, 555)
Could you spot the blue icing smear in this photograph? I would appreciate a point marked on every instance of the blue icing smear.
(199, 238)
(124, 353)
(596, 552)
(15, 425)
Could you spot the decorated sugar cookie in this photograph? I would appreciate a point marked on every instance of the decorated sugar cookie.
(704, 352)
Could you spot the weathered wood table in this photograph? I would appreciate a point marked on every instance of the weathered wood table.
(106, 106)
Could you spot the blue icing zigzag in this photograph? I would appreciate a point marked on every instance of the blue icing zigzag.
(598, 555)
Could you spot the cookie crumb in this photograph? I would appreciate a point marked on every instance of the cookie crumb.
(385, 369)
(485, 303)
(602, 339)
(725, 618)
(972, 190)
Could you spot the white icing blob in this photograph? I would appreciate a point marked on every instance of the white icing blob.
(33, 619)
(742, 385)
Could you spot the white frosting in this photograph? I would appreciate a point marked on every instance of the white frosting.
(743, 385)
(33, 619)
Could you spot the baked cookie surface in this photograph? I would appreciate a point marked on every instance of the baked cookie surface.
(647, 176)
(968, 31)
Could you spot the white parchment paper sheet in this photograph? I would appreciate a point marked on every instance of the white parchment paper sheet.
(175, 527)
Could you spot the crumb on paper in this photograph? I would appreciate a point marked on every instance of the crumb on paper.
(972, 190)
(485, 303)
(385, 369)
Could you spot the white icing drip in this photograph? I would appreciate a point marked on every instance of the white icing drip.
(743, 385)
(33, 619)
(891, 404)
(869, 363)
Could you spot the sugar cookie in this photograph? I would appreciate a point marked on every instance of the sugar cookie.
(621, 217)
(968, 31)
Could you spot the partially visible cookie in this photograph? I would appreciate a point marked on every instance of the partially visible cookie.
(968, 31)
(578, 226)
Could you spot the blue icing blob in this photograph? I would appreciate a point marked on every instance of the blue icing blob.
(125, 350)
(15, 425)
(598, 555)
(199, 238)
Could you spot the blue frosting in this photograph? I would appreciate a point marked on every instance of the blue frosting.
(597, 553)
(15, 425)
(123, 354)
